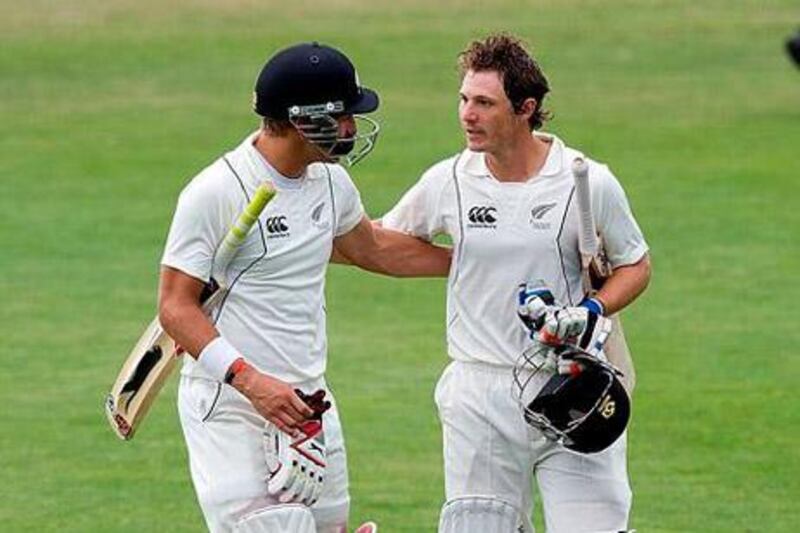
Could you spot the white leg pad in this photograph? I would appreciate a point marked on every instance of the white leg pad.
(287, 518)
(480, 514)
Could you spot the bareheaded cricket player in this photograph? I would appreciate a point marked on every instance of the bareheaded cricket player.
(507, 202)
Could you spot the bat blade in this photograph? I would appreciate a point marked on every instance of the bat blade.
(140, 380)
(153, 358)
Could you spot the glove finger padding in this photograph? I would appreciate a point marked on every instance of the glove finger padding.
(297, 465)
(533, 302)
(578, 327)
(279, 465)
(563, 325)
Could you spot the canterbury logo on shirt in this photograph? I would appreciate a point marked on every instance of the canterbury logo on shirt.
(277, 225)
(482, 216)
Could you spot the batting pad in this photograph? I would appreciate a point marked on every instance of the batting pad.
(480, 514)
(287, 518)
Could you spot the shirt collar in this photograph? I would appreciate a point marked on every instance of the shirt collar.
(263, 170)
(474, 163)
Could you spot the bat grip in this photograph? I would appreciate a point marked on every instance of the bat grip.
(238, 232)
(588, 243)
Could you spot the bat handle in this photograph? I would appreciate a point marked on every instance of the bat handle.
(238, 232)
(588, 233)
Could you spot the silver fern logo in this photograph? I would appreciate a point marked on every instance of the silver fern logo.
(538, 214)
(317, 218)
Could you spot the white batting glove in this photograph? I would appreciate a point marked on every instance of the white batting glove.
(534, 300)
(297, 465)
(576, 326)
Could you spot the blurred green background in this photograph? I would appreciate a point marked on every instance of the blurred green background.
(108, 108)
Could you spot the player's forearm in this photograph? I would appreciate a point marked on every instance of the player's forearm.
(406, 256)
(187, 324)
(338, 257)
(180, 311)
(390, 252)
(624, 285)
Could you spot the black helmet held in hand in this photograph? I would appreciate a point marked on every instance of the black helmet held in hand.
(581, 404)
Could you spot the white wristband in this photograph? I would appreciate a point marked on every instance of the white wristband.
(217, 357)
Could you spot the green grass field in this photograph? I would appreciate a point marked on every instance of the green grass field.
(108, 108)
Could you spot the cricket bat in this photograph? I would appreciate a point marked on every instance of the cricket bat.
(155, 354)
(595, 270)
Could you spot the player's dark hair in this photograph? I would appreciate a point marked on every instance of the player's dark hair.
(276, 127)
(521, 75)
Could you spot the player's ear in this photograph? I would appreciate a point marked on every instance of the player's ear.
(527, 108)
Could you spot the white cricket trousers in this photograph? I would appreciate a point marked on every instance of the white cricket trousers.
(223, 433)
(489, 450)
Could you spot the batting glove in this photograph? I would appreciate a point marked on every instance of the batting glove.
(578, 327)
(594, 305)
(297, 465)
(533, 303)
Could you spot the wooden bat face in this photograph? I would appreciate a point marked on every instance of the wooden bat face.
(142, 376)
(153, 358)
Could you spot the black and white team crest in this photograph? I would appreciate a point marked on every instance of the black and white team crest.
(539, 215)
(482, 216)
(277, 227)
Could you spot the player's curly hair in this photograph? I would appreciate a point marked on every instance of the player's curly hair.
(521, 75)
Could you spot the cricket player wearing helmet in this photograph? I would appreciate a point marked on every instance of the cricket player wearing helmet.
(507, 202)
(265, 444)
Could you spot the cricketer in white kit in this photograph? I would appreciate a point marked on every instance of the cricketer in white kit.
(275, 315)
(255, 465)
(506, 232)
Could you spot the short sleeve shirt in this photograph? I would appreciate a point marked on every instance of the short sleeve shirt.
(274, 313)
(505, 234)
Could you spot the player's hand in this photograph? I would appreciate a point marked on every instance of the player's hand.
(274, 400)
(533, 303)
(576, 326)
(297, 464)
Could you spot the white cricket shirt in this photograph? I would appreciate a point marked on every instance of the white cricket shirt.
(505, 234)
(275, 311)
